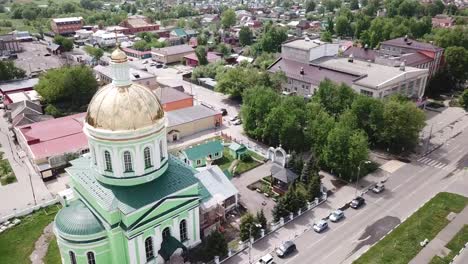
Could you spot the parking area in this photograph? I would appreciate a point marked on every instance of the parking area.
(34, 58)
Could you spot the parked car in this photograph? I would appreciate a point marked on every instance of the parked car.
(285, 249)
(378, 188)
(159, 66)
(224, 112)
(233, 118)
(336, 216)
(357, 202)
(320, 226)
(267, 259)
(237, 122)
(153, 64)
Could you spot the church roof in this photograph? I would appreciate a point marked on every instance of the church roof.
(128, 199)
(77, 220)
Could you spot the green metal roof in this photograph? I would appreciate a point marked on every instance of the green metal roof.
(203, 150)
(168, 246)
(128, 199)
(236, 147)
(77, 220)
(180, 32)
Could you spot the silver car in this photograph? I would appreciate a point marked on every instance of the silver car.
(336, 216)
(378, 188)
(320, 226)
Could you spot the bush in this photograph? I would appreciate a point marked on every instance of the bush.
(215, 245)
(246, 158)
(53, 111)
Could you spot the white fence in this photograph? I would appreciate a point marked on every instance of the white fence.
(29, 210)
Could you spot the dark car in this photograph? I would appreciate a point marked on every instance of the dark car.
(285, 249)
(224, 112)
(357, 202)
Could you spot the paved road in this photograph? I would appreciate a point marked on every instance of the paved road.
(407, 189)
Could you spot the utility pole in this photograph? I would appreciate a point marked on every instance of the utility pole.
(359, 172)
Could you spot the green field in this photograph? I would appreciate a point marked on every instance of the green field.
(457, 243)
(17, 243)
(402, 244)
(53, 253)
(227, 159)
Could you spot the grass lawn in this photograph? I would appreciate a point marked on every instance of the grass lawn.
(7, 175)
(401, 245)
(17, 243)
(457, 243)
(225, 162)
(245, 166)
(53, 253)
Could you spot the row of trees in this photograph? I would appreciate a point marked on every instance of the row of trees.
(148, 41)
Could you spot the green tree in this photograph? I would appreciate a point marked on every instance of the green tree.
(310, 169)
(313, 188)
(330, 25)
(261, 219)
(342, 26)
(53, 111)
(248, 226)
(354, 4)
(279, 210)
(403, 122)
(369, 115)
(464, 99)
(310, 6)
(319, 125)
(334, 98)
(67, 44)
(245, 36)
(96, 53)
(224, 49)
(456, 59)
(228, 18)
(215, 245)
(68, 87)
(8, 71)
(326, 36)
(200, 51)
(271, 39)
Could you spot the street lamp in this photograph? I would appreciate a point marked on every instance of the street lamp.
(359, 172)
(250, 239)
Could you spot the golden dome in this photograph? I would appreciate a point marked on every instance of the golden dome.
(118, 55)
(124, 108)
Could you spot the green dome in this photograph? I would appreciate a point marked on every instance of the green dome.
(77, 220)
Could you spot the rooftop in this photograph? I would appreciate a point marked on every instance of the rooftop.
(18, 85)
(210, 56)
(217, 184)
(303, 43)
(411, 44)
(169, 95)
(138, 21)
(56, 136)
(128, 199)
(135, 74)
(67, 19)
(173, 50)
(202, 151)
(77, 220)
(189, 114)
(19, 96)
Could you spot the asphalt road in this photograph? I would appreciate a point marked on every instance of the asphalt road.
(406, 190)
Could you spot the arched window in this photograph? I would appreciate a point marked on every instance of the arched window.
(147, 156)
(166, 232)
(108, 160)
(91, 259)
(183, 230)
(149, 249)
(161, 150)
(72, 257)
(128, 161)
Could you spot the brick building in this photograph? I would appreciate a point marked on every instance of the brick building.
(137, 23)
(66, 25)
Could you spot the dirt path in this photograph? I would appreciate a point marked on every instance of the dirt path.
(41, 245)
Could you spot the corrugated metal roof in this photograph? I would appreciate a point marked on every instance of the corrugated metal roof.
(217, 184)
(189, 114)
(202, 151)
(77, 220)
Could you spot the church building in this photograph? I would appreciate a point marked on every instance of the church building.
(134, 202)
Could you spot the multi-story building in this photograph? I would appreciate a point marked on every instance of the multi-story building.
(66, 25)
(171, 54)
(136, 24)
(9, 44)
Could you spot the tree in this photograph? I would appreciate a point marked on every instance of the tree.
(314, 188)
(354, 4)
(215, 245)
(279, 210)
(334, 98)
(261, 219)
(369, 115)
(96, 53)
(319, 125)
(224, 49)
(456, 59)
(403, 121)
(228, 18)
(294, 200)
(342, 26)
(68, 87)
(310, 6)
(330, 25)
(248, 226)
(67, 44)
(200, 51)
(8, 71)
(310, 169)
(326, 36)
(245, 36)
(272, 38)
(464, 99)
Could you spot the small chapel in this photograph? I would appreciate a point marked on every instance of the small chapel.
(134, 202)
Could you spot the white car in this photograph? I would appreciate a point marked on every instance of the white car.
(267, 259)
(378, 188)
(320, 226)
(336, 216)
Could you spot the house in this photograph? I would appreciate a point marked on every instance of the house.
(192, 59)
(210, 18)
(107, 39)
(20, 96)
(223, 197)
(137, 54)
(171, 54)
(104, 74)
(191, 120)
(442, 21)
(237, 150)
(66, 25)
(48, 143)
(136, 24)
(17, 86)
(26, 112)
(200, 155)
(405, 45)
(191, 33)
(172, 99)
(22, 36)
(9, 44)
(178, 32)
(54, 48)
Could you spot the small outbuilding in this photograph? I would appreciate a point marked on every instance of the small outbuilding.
(237, 150)
(196, 156)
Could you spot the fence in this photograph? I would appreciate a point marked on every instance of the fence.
(29, 210)
(274, 227)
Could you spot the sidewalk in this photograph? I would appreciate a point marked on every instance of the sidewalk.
(437, 245)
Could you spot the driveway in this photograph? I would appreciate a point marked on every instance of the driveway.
(253, 200)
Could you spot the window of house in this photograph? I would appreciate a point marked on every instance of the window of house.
(166, 232)
(72, 257)
(147, 157)
(198, 162)
(183, 230)
(91, 259)
(216, 154)
(128, 161)
(149, 250)
(108, 160)
(367, 93)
